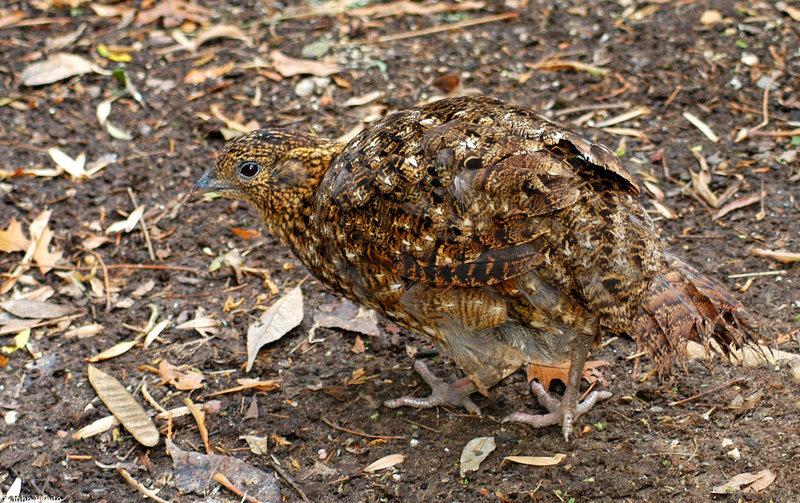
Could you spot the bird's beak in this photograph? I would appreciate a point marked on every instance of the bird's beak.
(209, 182)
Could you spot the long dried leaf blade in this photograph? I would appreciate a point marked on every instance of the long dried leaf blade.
(385, 462)
(124, 407)
(537, 460)
(282, 316)
(24, 308)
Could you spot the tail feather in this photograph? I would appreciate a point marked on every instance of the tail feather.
(684, 305)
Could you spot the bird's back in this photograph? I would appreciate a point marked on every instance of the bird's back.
(498, 233)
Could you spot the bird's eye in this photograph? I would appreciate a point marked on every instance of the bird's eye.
(249, 169)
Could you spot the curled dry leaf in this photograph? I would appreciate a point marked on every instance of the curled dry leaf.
(85, 331)
(155, 332)
(257, 445)
(221, 31)
(474, 453)
(193, 471)
(198, 76)
(101, 425)
(114, 351)
(129, 223)
(385, 462)
(124, 407)
(282, 316)
(182, 380)
(288, 66)
(746, 482)
(537, 460)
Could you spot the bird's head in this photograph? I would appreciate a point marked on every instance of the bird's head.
(275, 170)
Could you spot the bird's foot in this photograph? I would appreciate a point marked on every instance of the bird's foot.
(455, 394)
(559, 411)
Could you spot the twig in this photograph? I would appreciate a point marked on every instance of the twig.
(144, 228)
(275, 466)
(744, 133)
(200, 419)
(367, 435)
(106, 282)
(222, 479)
(760, 273)
(779, 133)
(421, 425)
(139, 486)
(590, 108)
(445, 27)
(706, 393)
(154, 267)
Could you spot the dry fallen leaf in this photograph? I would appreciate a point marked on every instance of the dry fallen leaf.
(537, 460)
(58, 66)
(193, 472)
(85, 331)
(124, 407)
(474, 453)
(247, 383)
(13, 239)
(282, 316)
(114, 351)
(200, 75)
(23, 308)
(257, 445)
(288, 66)
(351, 317)
(746, 483)
(129, 223)
(385, 462)
(182, 380)
(101, 425)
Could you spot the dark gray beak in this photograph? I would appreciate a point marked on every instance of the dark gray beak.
(209, 181)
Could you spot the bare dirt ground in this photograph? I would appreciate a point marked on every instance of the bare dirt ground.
(584, 63)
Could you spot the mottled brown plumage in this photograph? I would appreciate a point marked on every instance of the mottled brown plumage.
(501, 236)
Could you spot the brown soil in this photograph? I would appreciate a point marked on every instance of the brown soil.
(635, 446)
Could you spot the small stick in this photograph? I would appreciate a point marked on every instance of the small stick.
(774, 134)
(590, 108)
(139, 486)
(287, 478)
(154, 267)
(367, 435)
(760, 273)
(144, 228)
(200, 419)
(447, 27)
(106, 282)
(222, 479)
(421, 425)
(706, 393)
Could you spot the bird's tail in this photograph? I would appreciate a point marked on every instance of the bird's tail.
(684, 305)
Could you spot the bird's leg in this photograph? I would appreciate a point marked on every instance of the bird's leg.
(566, 410)
(456, 394)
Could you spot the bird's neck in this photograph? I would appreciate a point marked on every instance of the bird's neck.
(288, 213)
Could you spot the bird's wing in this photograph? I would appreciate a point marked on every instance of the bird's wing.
(455, 193)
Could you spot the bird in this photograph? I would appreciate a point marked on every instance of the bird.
(502, 237)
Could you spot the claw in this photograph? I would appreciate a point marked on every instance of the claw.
(566, 410)
(455, 394)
